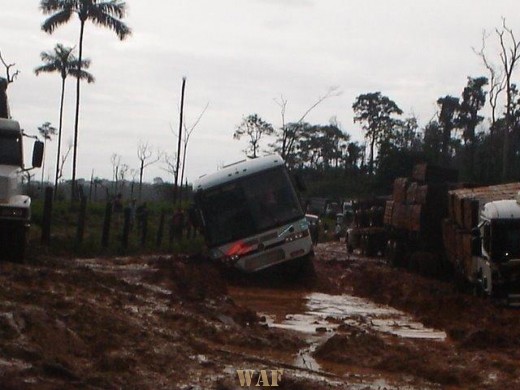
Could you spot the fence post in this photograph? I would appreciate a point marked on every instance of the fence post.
(106, 225)
(161, 229)
(144, 232)
(81, 218)
(126, 227)
(47, 216)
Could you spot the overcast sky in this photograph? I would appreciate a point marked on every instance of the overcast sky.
(240, 56)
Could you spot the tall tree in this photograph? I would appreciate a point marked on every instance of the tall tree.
(323, 146)
(4, 83)
(63, 61)
(509, 58)
(432, 142)
(408, 137)
(255, 128)
(448, 119)
(289, 133)
(473, 99)
(375, 112)
(103, 13)
(47, 131)
(144, 153)
(186, 139)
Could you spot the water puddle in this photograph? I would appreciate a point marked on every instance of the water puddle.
(325, 313)
(319, 316)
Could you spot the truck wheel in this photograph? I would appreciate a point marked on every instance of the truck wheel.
(17, 245)
(390, 253)
(301, 268)
(363, 245)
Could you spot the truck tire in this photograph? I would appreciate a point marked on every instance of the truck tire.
(18, 244)
(390, 253)
(302, 268)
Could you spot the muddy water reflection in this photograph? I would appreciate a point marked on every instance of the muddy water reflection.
(319, 316)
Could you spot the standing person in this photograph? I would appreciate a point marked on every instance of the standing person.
(132, 213)
(117, 209)
(141, 214)
(177, 225)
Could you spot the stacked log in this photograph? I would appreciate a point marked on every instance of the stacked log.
(420, 202)
(464, 207)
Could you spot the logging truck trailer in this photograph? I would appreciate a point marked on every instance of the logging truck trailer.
(251, 216)
(15, 207)
(366, 231)
(413, 219)
(482, 240)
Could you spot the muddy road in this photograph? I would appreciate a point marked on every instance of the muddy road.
(181, 323)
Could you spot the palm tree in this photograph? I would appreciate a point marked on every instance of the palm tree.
(106, 13)
(47, 131)
(62, 60)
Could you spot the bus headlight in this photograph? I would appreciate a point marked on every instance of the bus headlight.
(297, 235)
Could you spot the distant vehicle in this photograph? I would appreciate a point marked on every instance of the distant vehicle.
(251, 217)
(15, 208)
(348, 211)
(339, 229)
(332, 209)
(314, 227)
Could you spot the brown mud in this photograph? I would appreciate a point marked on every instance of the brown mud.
(159, 322)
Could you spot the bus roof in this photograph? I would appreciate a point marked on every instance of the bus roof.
(236, 170)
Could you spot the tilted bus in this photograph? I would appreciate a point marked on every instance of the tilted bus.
(251, 217)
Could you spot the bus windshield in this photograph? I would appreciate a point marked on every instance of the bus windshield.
(10, 149)
(249, 206)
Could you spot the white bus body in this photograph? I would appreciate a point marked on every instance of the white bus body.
(251, 216)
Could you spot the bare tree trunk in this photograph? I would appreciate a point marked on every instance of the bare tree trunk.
(76, 120)
(59, 139)
(175, 189)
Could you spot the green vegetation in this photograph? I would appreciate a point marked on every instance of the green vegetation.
(64, 229)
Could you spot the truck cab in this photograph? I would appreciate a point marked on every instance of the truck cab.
(15, 208)
(497, 261)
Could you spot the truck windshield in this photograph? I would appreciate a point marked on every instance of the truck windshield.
(10, 149)
(249, 206)
(505, 238)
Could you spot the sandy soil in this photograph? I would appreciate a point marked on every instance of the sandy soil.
(182, 323)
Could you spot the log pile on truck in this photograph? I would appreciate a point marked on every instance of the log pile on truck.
(482, 238)
(366, 231)
(413, 218)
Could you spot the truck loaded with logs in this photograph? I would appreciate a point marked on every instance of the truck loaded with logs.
(439, 227)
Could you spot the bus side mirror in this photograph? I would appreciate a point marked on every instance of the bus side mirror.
(37, 156)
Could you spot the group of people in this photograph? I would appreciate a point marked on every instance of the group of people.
(138, 214)
(179, 224)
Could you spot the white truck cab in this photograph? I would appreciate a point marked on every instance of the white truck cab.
(497, 261)
(15, 208)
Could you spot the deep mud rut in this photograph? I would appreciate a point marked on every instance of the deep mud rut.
(173, 323)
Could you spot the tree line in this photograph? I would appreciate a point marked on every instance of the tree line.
(484, 150)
